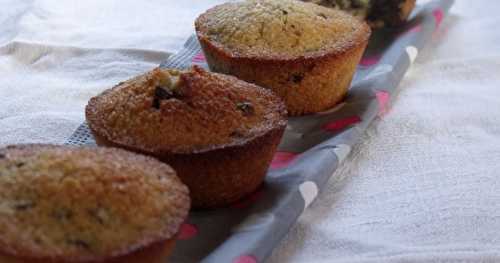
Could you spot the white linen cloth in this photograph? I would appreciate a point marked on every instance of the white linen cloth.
(422, 186)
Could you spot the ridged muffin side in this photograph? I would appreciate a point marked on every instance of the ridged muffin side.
(68, 204)
(305, 53)
(218, 132)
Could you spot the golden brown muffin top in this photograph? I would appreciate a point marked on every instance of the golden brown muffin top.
(279, 29)
(190, 111)
(85, 204)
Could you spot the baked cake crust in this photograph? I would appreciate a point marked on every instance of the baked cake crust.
(311, 74)
(205, 111)
(154, 253)
(220, 136)
(68, 204)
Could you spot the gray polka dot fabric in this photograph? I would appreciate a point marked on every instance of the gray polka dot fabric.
(311, 150)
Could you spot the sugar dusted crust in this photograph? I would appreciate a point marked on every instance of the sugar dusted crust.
(205, 111)
(85, 204)
(278, 29)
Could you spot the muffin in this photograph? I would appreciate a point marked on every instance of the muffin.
(67, 204)
(357, 8)
(219, 133)
(389, 13)
(305, 53)
(378, 13)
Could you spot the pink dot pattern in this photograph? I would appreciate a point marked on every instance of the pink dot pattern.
(369, 61)
(341, 124)
(282, 159)
(383, 98)
(245, 259)
(199, 58)
(187, 231)
(438, 16)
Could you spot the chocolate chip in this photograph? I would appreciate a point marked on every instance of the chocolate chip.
(98, 215)
(284, 12)
(237, 134)
(78, 243)
(156, 103)
(20, 164)
(246, 108)
(161, 93)
(297, 78)
(24, 205)
(62, 214)
(322, 15)
(37, 240)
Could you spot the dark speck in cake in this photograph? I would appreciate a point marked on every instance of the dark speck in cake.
(96, 214)
(78, 243)
(62, 214)
(161, 93)
(37, 240)
(322, 15)
(246, 108)
(237, 134)
(24, 205)
(297, 78)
